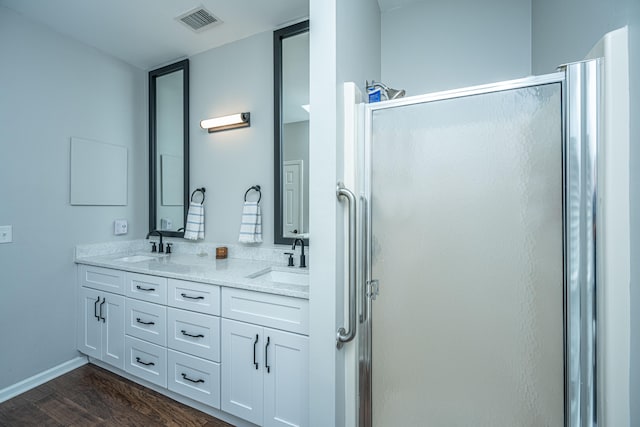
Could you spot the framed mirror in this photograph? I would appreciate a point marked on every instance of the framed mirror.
(291, 132)
(169, 148)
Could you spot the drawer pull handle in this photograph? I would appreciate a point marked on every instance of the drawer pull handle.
(143, 322)
(95, 309)
(192, 336)
(254, 351)
(189, 379)
(101, 316)
(144, 363)
(145, 289)
(190, 297)
(266, 356)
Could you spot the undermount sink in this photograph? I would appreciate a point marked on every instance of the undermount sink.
(136, 258)
(282, 275)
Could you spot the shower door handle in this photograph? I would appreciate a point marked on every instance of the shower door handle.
(344, 335)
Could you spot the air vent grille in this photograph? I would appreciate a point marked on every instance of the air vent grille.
(198, 19)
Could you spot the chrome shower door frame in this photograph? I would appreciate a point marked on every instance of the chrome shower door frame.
(581, 95)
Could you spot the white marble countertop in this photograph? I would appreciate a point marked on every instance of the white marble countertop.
(230, 272)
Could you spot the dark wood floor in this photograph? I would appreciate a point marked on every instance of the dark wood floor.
(92, 396)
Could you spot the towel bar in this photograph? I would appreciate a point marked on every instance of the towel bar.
(201, 190)
(255, 188)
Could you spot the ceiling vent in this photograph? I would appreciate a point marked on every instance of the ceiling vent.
(199, 19)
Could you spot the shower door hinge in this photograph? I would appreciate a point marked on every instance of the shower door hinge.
(373, 289)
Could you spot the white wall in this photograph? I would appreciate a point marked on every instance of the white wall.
(345, 46)
(565, 32)
(429, 46)
(234, 78)
(634, 166)
(52, 88)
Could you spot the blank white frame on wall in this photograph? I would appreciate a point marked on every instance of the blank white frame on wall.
(98, 173)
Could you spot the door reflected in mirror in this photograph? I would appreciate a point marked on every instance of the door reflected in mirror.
(291, 66)
(168, 148)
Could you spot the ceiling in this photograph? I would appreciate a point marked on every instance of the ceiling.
(146, 34)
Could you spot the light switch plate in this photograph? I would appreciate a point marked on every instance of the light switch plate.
(6, 234)
(120, 226)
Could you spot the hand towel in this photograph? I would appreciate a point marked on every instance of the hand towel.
(251, 223)
(194, 228)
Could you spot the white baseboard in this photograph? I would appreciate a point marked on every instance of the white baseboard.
(41, 378)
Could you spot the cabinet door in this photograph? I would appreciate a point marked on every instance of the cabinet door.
(194, 333)
(242, 363)
(146, 321)
(113, 329)
(193, 296)
(100, 278)
(193, 377)
(146, 287)
(89, 323)
(145, 360)
(286, 379)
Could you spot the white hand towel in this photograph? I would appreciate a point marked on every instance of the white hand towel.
(194, 228)
(251, 223)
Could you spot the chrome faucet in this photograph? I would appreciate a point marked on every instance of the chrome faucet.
(302, 257)
(160, 245)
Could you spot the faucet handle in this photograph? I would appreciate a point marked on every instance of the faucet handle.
(167, 248)
(290, 258)
(153, 247)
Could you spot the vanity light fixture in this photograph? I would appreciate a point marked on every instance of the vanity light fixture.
(233, 121)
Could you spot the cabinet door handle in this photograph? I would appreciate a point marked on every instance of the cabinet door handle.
(143, 322)
(189, 379)
(254, 351)
(145, 289)
(95, 309)
(190, 297)
(101, 304)
(144, 363)
(266, 356)
(192, 336)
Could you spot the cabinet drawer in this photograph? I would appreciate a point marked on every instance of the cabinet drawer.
(145, 360)
(275, 311)
(147, 288)
(193, 377)
(194, 333)
(146, 321)
(104, 279)
(194, 296)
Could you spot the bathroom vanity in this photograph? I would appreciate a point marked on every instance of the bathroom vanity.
(230, 336)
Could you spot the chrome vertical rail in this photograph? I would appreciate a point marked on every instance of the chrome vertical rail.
(344, 335)
(580, 175)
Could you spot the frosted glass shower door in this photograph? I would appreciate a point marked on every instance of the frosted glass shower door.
(466, 217)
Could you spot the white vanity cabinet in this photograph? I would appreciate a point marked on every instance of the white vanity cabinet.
(101, 315)
(265, 370)
(193, 340)
(240, 351)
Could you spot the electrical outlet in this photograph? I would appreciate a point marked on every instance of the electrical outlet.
(120, 226)
(6, 234)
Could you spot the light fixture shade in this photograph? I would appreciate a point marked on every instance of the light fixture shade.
(233, 121)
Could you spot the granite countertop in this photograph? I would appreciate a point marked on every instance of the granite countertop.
(230, 272)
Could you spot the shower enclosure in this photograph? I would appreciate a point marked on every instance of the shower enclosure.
(473, 242)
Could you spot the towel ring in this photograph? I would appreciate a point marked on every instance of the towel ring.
(255, 188)
(201, 190)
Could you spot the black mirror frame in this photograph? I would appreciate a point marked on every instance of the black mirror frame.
(153, 167)
(278, 36)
